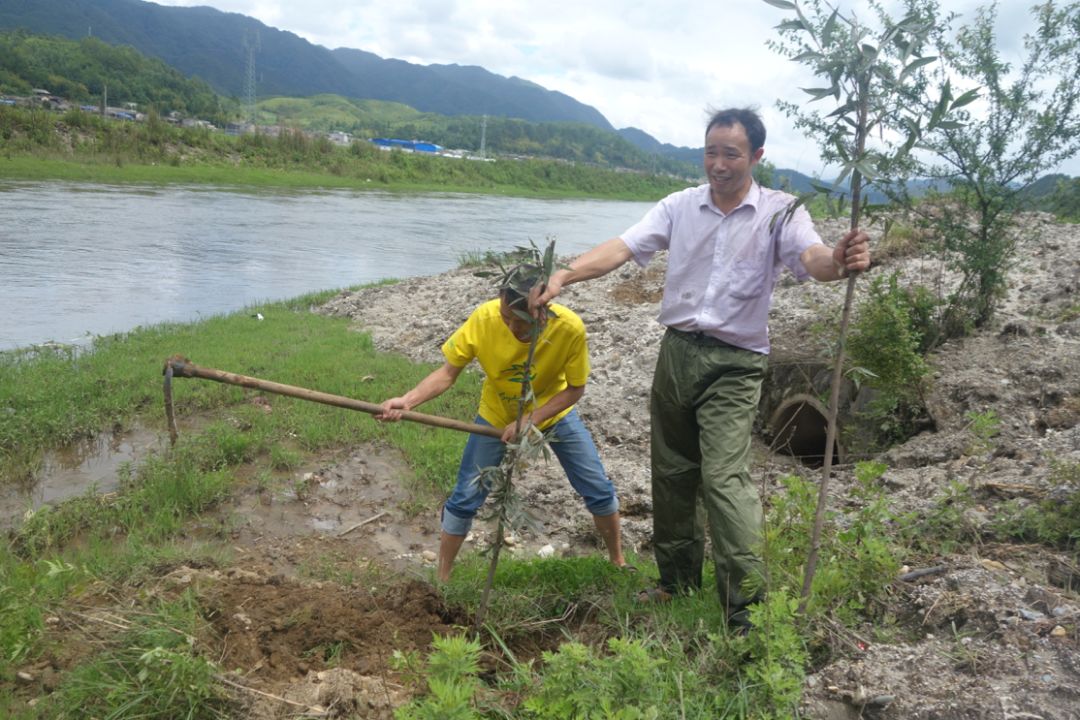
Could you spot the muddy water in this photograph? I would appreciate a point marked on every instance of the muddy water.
(89, 466)
(362, 496)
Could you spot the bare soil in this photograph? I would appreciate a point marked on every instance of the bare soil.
(301, 620)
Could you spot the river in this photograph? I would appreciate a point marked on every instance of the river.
(82, 260)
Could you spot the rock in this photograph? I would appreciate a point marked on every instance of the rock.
(546, 551)
(1059, 632)
(429, 556)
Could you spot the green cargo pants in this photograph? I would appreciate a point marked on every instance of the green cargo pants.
(704, 397)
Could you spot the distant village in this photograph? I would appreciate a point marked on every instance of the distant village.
(129, 112)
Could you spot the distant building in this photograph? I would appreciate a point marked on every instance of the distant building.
(407, 145)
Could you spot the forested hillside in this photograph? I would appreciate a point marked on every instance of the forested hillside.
(81, 71)
(577, 142)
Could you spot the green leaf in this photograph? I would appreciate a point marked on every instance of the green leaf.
(939, 110)
(866, 170)
(808, 55)
(828, 29)
(549, 259)
(966, 99)
(841, 150)
(819, 93)
(782, 4)
(792, 25)
(846, 107)
(950, 125)
(912, 67)
(844, 174)
(824, 189)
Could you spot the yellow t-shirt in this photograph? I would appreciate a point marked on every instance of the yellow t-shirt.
(561, 359)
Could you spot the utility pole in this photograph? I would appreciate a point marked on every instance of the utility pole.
(249, 78)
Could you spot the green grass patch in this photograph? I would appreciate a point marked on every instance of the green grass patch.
(153, 670)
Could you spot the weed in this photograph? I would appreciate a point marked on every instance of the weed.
(452, 670)
(153, 670)
(282, 458)
(887, 345)
(946, 526)
(984, 427)
(1053, 520)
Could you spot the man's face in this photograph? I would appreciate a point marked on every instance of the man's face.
(519, 326)
(729, 163)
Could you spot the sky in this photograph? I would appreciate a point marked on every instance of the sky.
(657, 65)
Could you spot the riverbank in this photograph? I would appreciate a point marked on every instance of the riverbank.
(79, 146)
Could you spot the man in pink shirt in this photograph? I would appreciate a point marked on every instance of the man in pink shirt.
(727, 243)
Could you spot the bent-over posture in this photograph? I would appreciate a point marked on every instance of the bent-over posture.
(499, 339)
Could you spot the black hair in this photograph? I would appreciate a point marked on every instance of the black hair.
(517, 283)
(747, 117)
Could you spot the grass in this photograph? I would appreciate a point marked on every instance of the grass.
(52, 396)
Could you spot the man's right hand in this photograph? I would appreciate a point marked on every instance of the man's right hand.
(541, 295)
(392, 409)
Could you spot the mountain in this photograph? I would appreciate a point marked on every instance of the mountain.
(646, 142)
(214, 46)
(459, 90)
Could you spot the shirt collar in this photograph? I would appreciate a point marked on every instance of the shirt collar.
(752, 199)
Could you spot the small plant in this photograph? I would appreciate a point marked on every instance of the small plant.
(984, 427)
(451, 673)
(946, 526)
(886, 343)
(1054, 519)
(152, 671)
(625, 684)
(282, 458)
(777, 656)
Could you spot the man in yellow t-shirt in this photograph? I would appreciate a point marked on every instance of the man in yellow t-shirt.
(498, 338)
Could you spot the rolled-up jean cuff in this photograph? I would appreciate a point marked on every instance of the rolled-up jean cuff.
(608, 508)
(453, 525)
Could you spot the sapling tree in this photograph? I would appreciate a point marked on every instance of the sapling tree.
(871, 72)
(1027, 123)
(506, 506)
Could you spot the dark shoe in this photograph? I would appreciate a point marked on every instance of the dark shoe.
(739, 623)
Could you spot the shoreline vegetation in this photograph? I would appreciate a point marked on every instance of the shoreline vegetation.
(84, 147)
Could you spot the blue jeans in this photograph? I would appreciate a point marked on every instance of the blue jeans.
(573, 446)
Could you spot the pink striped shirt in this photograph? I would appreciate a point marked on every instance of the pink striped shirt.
(722, 268)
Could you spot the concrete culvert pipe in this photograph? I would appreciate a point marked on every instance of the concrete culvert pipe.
(799, 426)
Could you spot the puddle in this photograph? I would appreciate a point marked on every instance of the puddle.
(358, 499)
(75, 470)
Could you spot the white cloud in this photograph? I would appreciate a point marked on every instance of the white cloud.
(657, 65)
